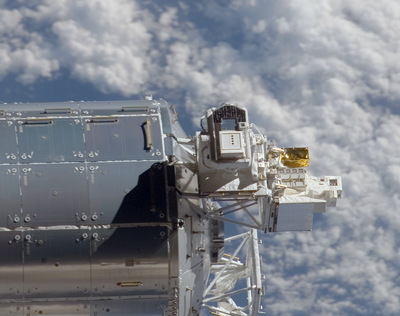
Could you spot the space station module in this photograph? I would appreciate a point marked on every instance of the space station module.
(109, 208)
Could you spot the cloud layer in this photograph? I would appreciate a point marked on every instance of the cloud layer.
(323, 75)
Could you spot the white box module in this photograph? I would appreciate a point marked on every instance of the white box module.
(231, 144)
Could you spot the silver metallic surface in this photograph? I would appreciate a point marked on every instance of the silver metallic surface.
(90, 223)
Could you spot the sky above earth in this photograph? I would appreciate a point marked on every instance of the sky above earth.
(322, 74)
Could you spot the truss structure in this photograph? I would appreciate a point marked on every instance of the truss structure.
(260, 211)
(229, 272)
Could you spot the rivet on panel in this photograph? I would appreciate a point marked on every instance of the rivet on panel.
(93, 154)
(16, 238)
(76, 169)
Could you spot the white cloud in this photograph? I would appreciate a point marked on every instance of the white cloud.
(9, 20)
(23, 53)
(108, 45)
(321, 48)
(117, 46)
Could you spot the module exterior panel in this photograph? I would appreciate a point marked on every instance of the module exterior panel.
(11, 272)
(10, 197)
(129, 261)
(50, 250)
(63, 187)
(50, 140)
(117, 193)
(123, 138)
(8, 142)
